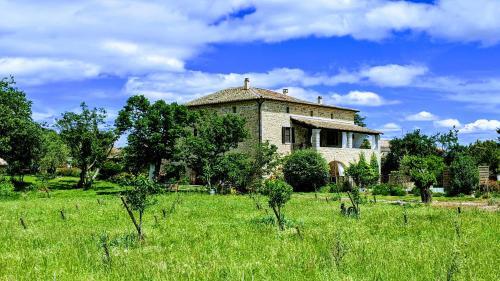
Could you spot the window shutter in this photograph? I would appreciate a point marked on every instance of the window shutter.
(293, 135)
(283, 134)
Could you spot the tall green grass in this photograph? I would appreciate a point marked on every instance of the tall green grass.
(225, 238)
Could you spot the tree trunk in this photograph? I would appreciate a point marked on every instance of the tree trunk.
(278, 218)
(151, 173)
(83, 175)
(426, 194)
(138, 226)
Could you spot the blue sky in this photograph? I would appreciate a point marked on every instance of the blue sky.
(404, 64)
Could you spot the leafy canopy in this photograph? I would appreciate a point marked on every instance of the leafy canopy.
(153, 130)
(89, 145)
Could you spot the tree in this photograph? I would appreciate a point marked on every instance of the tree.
(414, 143)
(359, 120)
(306, 170)
(214, 136)
(89, 144)
(278, 192)
(20, 137)
(464, 175)
(422, 170)
(54, 152)
(153, 131)
(450, 147)
(362, 173)
(233, 170)
(486, 153)
(375, 168)
(138, 199)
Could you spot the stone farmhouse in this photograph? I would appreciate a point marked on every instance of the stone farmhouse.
(291, 124)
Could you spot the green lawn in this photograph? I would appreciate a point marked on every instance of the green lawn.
(225, 238)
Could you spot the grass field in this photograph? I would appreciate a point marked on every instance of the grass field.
(226, 238)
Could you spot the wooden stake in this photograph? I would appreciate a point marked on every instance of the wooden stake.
(21, 220)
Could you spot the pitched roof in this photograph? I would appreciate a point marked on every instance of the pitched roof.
(242, 94)
(331, 124)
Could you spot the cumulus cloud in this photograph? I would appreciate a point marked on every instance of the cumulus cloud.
(361, 98)
(447, 123)
(390, 127)
(393, 75)
(421, 116)
(38, 70)
(481, 125)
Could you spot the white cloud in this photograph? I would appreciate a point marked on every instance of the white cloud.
(360, 98)
(393, 75)
(447, 123)
(421, 116)
(390, 127)
(481, 125)
(38, 70)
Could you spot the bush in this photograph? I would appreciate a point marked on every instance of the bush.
(109, 169)
(68, 172)
(305, 170)
(122, 178)
(464, 175)
(7, 190)
(233, 171)
(388, 189)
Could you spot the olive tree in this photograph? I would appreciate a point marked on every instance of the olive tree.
(423, 171)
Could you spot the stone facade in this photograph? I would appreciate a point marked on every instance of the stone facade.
(277, 114)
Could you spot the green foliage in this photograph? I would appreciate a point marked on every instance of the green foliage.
(122, 178)
(20, 137)
(414, 143)
(388, 189)
(450, 147)
(306, 170)
(215, 135)
(362, 173)
(7, 190)
(423, 171)
(278, 193)
(359, 120)
(486, 153)
(54, 152)
(153, 131)
(464, 175)
(89, 144)
(138, 199)
(68, 172)
(233, 171)
(365, 144)
(374, 165)
(109, 169)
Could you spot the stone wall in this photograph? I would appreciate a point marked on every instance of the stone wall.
(347, 155)
(249, 111)
(275, 116)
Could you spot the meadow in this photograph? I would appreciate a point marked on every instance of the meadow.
(225, 237)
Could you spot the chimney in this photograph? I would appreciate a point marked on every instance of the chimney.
(285, 91)
(320, 100)
(246, 84)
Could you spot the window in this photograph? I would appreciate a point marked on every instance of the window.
(331, 115)
(287, 109)
(288, 134)
(234, 109)
(330, 138)
(311, 113)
